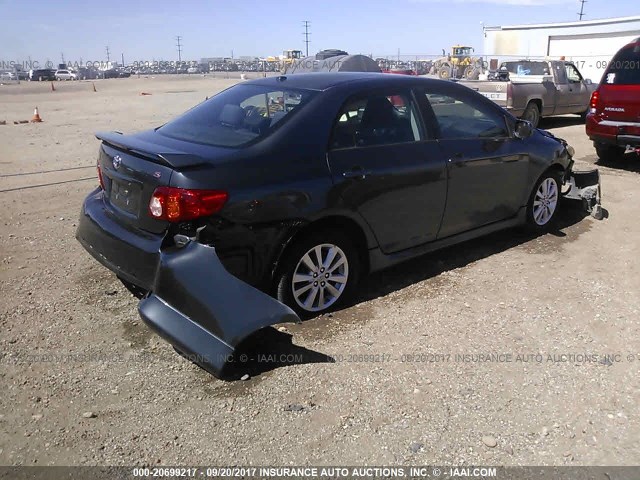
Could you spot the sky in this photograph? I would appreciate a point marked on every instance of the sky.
(145, 30)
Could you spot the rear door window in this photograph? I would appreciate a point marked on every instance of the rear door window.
(377, 119)
(624, 69)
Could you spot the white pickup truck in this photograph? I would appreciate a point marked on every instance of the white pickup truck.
(532, 89)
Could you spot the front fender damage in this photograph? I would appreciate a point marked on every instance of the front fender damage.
(203, 310)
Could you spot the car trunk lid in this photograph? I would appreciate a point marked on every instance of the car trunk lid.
(132, 167)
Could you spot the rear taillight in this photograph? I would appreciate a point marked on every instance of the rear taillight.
(593, 104)
(181, 204)
(509, 94)
(100, 174)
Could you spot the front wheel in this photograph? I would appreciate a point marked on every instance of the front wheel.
(319, 273)
(544, 201)
(444, 73)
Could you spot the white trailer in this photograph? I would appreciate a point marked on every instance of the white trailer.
(590, 44)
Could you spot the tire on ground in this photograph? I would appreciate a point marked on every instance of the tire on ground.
(544, 201)
(292, 263)
(609, 152)
(532, 114)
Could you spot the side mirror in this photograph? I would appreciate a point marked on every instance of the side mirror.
(524, 129)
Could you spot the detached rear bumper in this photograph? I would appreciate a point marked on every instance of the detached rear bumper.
(132, 256)
(203, 310)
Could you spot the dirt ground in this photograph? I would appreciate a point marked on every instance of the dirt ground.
(508, 350)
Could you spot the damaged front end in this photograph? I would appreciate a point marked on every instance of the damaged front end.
(203, 310)
(580, 185)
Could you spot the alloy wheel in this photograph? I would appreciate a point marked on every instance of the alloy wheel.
(320, 277)
(545, 201)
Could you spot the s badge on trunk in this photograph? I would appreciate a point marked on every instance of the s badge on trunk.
(117, 160)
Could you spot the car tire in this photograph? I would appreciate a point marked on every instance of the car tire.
(532, 114)
(317, 295)
(609, 152)
(544, 201)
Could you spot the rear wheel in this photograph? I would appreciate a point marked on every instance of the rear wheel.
(319, 273)
(532, 114)
(543, 203)
(609, 152)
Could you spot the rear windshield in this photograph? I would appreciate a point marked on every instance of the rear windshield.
(237, 116)
(526, 68)
(624, 69)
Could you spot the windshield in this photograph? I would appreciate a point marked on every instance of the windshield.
(624, 69)
(237, 116)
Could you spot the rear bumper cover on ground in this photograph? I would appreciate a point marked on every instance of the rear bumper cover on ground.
(204, 311)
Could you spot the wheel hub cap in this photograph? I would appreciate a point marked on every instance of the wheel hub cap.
(328, 262)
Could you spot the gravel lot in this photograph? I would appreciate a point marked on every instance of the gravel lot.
(384, 381)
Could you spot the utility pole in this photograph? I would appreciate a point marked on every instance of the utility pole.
(108, 57)
(62, 56)
(122, 54)
(306, 34)
(179, 45)
(581, 14)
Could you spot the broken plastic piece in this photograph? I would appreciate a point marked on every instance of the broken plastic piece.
(203, 310)
(585, 186)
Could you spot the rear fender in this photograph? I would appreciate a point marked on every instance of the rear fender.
(203, 310)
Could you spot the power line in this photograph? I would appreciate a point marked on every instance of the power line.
(582, 14)
(179, 45)
(306, 34)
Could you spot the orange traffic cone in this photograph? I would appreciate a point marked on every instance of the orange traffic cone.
(36, 116)
(53, 89)
(94, 86)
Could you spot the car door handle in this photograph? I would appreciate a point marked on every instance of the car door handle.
(456, 157)
(358, 173)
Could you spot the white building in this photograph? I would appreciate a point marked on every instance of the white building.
(590, 43)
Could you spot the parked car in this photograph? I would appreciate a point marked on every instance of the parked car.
(532, 89)
(613, 121)
(66, 75)
(8, 76)
(115, 73)
(298, 187)
(41, 75)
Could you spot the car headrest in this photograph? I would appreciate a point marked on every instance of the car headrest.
(378, 113)
(232, 115)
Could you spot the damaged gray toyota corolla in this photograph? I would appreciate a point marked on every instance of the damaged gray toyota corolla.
(270, 200)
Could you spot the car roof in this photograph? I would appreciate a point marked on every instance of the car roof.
(325, 81)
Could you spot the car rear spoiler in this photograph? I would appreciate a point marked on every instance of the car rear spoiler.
(156, 153)
(203, 310)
